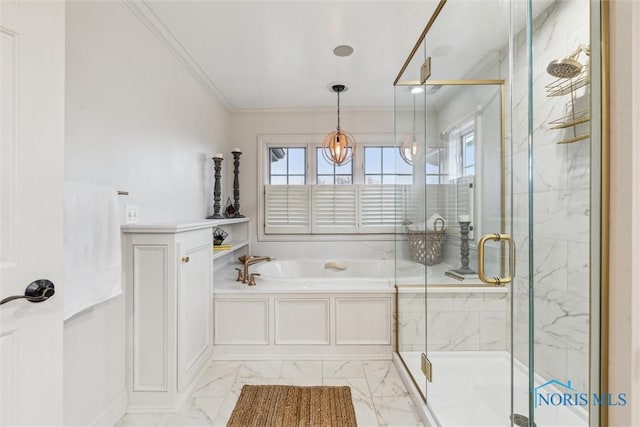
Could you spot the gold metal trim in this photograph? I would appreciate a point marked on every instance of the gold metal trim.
(496, 237)
(604, 208)
(452, 82)
(396, 328)
(435, 14)
(427, 367)
(425, 70)
(503, 179)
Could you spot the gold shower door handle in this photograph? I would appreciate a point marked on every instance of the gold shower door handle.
(496, 237)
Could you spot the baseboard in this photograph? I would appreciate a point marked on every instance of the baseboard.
(237, 357)
(112, 414)
(184, 395)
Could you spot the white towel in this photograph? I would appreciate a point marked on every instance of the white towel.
(436, 223)
(92, 250)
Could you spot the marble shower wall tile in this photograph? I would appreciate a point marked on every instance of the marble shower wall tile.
(493, 330)
(453, 331)
(578, 270)
(562, 215)
(455, 321)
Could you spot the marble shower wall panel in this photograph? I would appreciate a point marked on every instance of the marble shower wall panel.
(560, 205)
(454, 321)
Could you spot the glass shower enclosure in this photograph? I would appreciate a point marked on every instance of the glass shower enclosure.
(500, 124)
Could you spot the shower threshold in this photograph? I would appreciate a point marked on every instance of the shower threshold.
(472, 388)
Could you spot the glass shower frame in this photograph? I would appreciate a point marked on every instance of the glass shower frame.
(410, 76)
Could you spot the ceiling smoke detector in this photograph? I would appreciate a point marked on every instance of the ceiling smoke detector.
(343, 50)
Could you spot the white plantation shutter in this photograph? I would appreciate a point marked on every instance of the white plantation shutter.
(286, 209)
(407, 205)
(333, 209)
(380, 208)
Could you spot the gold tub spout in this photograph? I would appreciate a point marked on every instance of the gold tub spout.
(246, 262)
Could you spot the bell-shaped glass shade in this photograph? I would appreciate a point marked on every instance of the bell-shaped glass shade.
(338, 147)
(411, 149)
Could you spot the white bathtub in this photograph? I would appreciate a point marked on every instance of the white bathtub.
(314, 274)
(300, 309)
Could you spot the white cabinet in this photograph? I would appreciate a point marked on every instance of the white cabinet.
(169, 309)
(169, 303)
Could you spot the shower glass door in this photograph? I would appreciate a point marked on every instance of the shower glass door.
(467, 320)
(501, 221)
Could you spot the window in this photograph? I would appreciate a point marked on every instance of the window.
(287, 165)
(301, 193)
(468, 155)
(461, 151)
(383, 165)
(436, 161)
(330, 174)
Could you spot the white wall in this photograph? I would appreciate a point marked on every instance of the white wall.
(246, 126)
(136, 120)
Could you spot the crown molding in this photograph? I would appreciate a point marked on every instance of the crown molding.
(145, 13)
(293, 110)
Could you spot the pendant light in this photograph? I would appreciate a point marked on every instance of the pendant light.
(411, 147)
(338, 147)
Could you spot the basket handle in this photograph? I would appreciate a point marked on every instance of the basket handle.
(435, 224)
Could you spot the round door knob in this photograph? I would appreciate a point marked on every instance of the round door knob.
(185, 259)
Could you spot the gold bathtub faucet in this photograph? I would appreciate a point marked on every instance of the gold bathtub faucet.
(244, 276)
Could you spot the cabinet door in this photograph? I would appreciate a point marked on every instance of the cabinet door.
(194, 304)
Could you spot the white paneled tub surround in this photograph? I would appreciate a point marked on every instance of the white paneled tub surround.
(301, 310)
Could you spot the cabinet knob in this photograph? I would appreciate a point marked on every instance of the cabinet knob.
(185, 259)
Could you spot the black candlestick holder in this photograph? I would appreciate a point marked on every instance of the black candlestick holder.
(236, 183)
(464, 249)
(217, 165)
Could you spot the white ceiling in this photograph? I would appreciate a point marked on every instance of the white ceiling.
(279, 54)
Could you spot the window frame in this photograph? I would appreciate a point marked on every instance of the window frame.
(382, 174)
(287, 175)
(318, 155)
(310, 142)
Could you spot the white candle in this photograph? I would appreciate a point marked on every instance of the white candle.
(464, 218)
(236, 150)
(217, 156)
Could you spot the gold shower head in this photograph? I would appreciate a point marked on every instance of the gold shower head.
(564, 68)
(568, 67)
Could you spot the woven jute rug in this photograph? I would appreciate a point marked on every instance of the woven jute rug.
(289, 406)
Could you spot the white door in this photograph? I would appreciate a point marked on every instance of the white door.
(31, 176)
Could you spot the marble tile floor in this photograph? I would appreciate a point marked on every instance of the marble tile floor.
(379, 395)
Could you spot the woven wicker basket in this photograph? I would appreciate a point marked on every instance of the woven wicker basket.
(426, 247)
